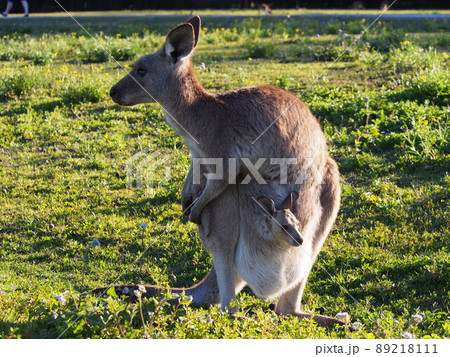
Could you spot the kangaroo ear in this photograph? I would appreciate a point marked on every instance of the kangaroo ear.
(196, 23)
(267, 204)
(180, 42)
(288, 203)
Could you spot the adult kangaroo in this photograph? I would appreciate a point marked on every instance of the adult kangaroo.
(263, 131)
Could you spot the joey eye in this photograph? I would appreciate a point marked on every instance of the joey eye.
(141, 72)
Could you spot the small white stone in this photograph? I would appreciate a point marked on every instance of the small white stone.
(407, 335)
(417, 318)
(61, 298)
(202, 66)
(344, 316)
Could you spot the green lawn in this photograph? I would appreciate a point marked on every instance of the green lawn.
(64, 150)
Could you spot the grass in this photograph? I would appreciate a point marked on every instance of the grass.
(64, 180)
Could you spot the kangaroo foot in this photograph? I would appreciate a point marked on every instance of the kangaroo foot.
(323, 321)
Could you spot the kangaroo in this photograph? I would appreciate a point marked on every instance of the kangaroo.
(265, 9)
(358, 5)
(384, 5)
(228, 125)
(272, 256)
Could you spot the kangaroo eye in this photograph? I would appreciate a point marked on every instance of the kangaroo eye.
(141, 72)
(285, 228)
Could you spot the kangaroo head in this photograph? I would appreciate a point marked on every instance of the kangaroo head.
(155, 77)
(283, 223)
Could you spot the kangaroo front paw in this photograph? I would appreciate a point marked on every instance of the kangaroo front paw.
(195, 215)
(194, 218)
(186, 206)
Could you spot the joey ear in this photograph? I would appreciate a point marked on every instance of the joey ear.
(288, 203)
(267, 204)
(180, 42)
(196, 24)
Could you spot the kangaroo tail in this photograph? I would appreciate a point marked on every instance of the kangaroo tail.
(206, 292)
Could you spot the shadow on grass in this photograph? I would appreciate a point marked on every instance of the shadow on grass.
(35, 329)
(148, 207)
(48, 106)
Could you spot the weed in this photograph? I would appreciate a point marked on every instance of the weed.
(17, 85)
(87, 92)
(371, 58)
(260, 50)
(427, 85)
(411, 57)
(282, 81)
(426, 139)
